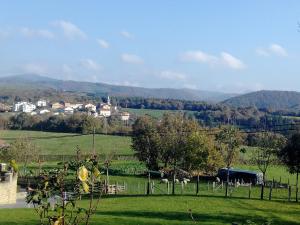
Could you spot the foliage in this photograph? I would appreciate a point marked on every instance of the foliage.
(53, 184)
(267, 145)
(22, 150)
(177, 142)
(145, 141)
(79, 122)
(229, 139)
(290, 154)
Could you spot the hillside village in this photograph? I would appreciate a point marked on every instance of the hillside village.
(43, 107)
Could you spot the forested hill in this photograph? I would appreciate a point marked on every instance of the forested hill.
(29, 82)
(275, 100)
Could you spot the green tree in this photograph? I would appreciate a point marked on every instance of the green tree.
(174, 131)
(267, 145)
(290, 156)
(145, 141)
(198, 150)
(90, 124)
(229, 139)
(22, 151)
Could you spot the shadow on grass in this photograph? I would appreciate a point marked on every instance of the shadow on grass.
(198, 217)
(25, 222)
(199, 196)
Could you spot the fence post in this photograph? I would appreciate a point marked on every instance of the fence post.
(181, 187)
(168, 187)
(116, 187)
(207, 185)
(280, 180)
(213, 186)
(290, 192)
(270, 193)
(152, 190)
(249, 194)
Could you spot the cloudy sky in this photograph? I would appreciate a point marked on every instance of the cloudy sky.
(229, 46)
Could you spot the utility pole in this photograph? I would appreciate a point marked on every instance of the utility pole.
(94, 151)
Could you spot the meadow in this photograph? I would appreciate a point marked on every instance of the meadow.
(207, 210)
(156, 113)
(65, 143)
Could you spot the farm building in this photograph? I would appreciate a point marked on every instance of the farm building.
(245, 176)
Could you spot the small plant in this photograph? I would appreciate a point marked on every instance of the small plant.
(55, 198)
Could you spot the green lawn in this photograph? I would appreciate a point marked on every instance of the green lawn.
(175, 210)
(65, 143)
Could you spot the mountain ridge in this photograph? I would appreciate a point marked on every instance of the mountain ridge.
(272, 99)
(31, 81)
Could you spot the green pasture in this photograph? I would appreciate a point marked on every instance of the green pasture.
(157, 113)
(65, 143)
(207, 210)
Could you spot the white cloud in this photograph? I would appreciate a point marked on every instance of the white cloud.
(273, 49)
(90, 64)
(132, 59)
(225, 59)
(70, 30)
(103, 43)
(171, 75)
(35, 68)
(278, 50)
(31, 33)
(198, 56)
(126, 34)
(232, 61)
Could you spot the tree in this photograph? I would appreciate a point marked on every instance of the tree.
(267, 145)
(290, 156)
(145, 141)
(175, 130)
(198, 150)
(22, 151)
(90, 123)
(229, 140)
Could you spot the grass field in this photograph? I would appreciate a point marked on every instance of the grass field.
(65, 143)
(175, 210)
(153, 112)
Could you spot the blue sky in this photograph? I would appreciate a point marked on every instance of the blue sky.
(229, 46)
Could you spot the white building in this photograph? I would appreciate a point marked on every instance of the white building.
(68, 110)
(104, 112)
(124, 116)
(24, 107)
(90, 107)
(41, 103)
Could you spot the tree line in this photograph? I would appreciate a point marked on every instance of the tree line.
(209, 114)
(76, 123)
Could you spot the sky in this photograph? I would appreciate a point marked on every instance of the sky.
(227, 46)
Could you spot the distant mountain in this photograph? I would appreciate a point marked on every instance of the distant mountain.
(276, 100)
(33, 82)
